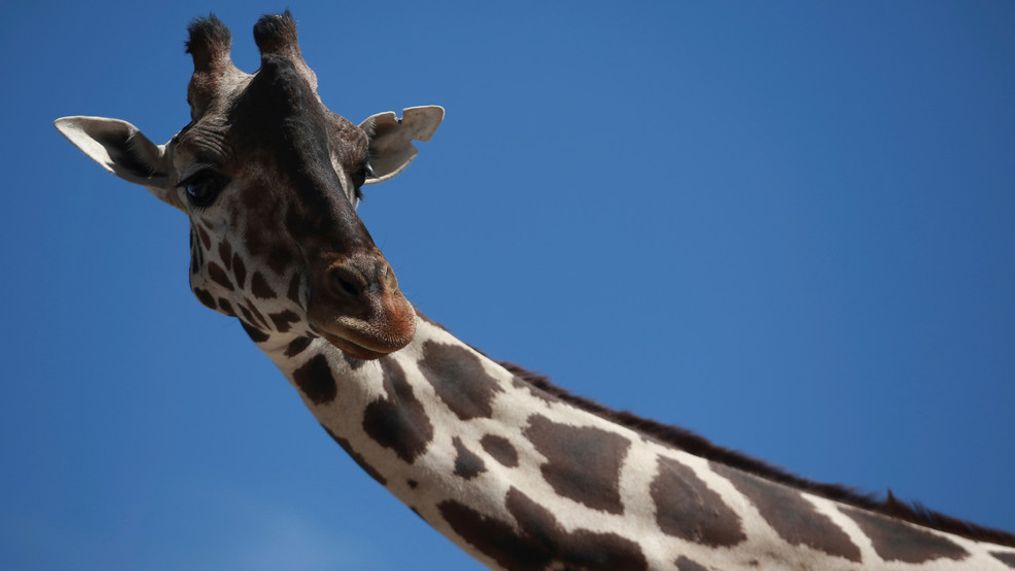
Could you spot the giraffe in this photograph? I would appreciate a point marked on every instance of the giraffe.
(516, 471)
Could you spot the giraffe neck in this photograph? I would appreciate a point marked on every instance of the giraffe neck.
(522, 479)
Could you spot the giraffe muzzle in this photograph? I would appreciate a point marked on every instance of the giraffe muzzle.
(356, 305)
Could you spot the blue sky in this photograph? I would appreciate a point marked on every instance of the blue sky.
(787, 226)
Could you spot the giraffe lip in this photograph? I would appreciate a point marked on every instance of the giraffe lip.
(352, 348)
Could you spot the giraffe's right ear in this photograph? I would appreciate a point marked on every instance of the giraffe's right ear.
(120, 148)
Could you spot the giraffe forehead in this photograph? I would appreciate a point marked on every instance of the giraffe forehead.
(272, 120)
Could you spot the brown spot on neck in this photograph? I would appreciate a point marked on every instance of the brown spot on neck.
(315, 380)
(467, 464)
(500, 449)
(895, 540)
(790, 515)
(582, 463)
(1008, 558)
(539, 541)
(297, 346)
(459, 380)
(689, 509)
(398, 421)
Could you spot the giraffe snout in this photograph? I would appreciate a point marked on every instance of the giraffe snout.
(358, 307)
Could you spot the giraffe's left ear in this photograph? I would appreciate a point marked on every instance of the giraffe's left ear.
(120, 148)
(391, 148)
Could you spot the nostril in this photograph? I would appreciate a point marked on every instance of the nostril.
(347, 282)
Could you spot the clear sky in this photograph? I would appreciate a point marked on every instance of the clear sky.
(787, 226)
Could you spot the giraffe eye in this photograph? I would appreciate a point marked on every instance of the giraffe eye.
(360, 176)
(203, 187)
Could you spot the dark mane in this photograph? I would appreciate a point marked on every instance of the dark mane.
(692, 443)
(699, 446)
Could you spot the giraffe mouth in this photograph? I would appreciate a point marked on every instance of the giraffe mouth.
(362, 340)
(352, 348)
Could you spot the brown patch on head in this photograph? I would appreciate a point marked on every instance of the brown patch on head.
(500, 449)
(205, 238)
(258, 317)
(218, 275)
(412, 484)
(459, 379)
(279, 258)
(259, 208)
(205, 298)
(582, 463)
(1008, 558)
(467, 464)
(255, 334)
(315, 380)
(195, 254)
(685, 564)
(282, 320)
(539, 541)
(790, 515)
(895, 540)
(688, 509)
(226, 254)
(398, 420)
(260, 288)
(357, 457)
(246, 314)
(296, 346)
(226, 307)
(239, 270)
(294, 290)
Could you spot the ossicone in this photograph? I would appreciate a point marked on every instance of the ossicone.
(208, 42)
(276, 34)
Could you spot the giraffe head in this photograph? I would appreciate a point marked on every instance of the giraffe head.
(270, 180)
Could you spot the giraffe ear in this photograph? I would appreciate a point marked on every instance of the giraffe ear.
(391, 148)
(118, 147)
